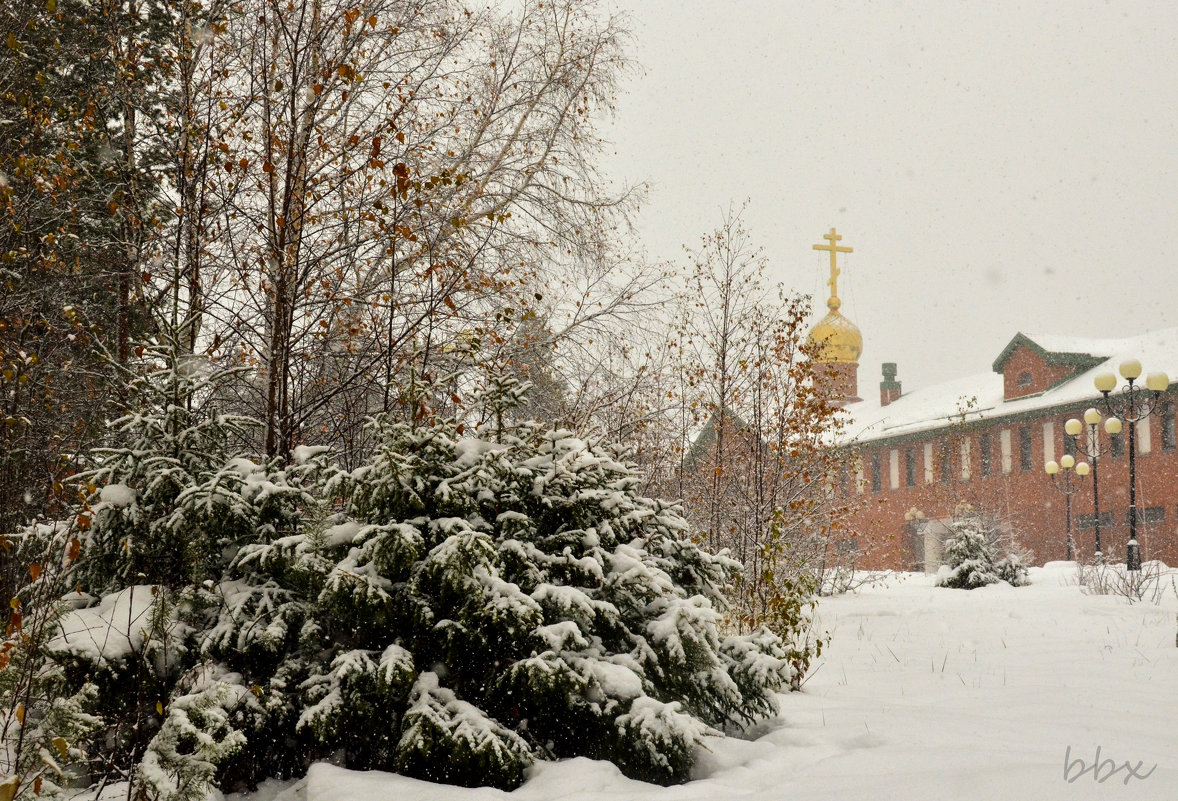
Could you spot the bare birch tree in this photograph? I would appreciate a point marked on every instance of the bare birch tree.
(394, 177)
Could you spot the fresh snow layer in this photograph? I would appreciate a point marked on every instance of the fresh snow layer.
(305, 453)
(112, 630)
(117, 495)
(924, 694)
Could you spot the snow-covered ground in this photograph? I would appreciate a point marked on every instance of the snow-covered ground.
(923, 693)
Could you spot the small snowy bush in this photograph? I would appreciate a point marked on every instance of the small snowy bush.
(1153, 582)
(969, 555)
(1012, 569)
(978, 552)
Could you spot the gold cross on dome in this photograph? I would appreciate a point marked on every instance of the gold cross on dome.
(834, 248)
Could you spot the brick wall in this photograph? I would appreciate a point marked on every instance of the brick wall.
(1000, 484)
(1026, 373)
(840, 380)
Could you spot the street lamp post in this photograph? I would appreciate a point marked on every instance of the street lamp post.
(1067, 464)
(1136, 404)
(1094, 448)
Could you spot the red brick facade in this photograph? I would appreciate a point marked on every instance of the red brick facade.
(841, 380)
(1014, 490)
(995, 461)
(1026, 373)
(1028, 369)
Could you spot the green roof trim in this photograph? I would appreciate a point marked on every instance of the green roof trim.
(1081, 361)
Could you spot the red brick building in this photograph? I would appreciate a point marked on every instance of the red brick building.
(984, 440)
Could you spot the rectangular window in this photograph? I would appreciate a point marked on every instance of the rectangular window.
(1048, 442)
(1004, 447)
(928, 463)
(986, 446)
(965, 459)
(876, 473)
(1024, 448)
(1116, 444)
(1143, 441)
(1089, 521)
(910, 467)
(860, 479)
(894, 464)
(946, 462)
(1150, 514)
(1168, 440)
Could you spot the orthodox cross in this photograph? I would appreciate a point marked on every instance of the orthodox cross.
(834, 248)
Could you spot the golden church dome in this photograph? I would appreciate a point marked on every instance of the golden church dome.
(837, 337)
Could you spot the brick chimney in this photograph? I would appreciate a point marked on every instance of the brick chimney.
(889, 388)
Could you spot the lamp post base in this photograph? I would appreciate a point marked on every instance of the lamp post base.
(1133, 556)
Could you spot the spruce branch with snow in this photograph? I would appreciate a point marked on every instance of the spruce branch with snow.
(196, 736)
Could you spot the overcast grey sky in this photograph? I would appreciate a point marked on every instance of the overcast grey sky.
(996, 166)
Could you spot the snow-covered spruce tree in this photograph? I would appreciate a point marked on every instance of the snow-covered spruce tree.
(167, 504)
(160, 493)
(478, 605)
(969, 555)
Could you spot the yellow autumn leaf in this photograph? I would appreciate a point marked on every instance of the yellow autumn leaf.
(159, 707)
(62, 746)
(20, 713)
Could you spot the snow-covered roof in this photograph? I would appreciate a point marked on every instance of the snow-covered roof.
(930, 408)
(1056, 343)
